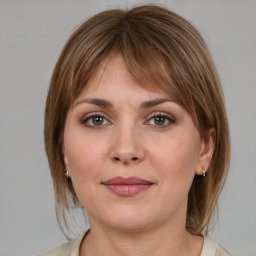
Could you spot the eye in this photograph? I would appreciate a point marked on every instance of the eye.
(160, 120)
(95, 121)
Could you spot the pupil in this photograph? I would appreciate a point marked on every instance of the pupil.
(159, 120)
(97, 120)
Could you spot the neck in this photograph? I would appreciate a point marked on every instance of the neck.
(162, 240)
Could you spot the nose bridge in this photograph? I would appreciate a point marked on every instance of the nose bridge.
(127, 146)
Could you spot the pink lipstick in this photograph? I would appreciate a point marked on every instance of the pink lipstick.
(127, 186)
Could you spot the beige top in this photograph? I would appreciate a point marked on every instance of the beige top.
(210, 248)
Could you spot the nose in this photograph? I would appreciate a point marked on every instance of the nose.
(127, 146)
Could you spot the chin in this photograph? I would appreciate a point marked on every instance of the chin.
(130, 220)
(130, 225)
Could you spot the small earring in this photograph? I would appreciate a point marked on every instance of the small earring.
(66, 174)
(204, 172)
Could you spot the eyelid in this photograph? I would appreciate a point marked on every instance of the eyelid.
(91, 115)
(161, 113)
(94, 113)
(169, 117)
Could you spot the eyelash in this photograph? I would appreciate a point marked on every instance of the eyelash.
(167, 118)
(90, 117)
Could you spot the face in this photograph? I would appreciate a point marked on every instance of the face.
(131, 153)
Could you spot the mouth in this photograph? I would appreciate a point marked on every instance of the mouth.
(127, 187)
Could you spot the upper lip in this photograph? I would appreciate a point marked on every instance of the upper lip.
(126, 181)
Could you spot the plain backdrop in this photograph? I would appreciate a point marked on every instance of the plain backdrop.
(32, 34)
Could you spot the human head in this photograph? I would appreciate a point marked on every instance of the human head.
(161, 50)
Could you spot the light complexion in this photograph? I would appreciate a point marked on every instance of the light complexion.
(119, 135)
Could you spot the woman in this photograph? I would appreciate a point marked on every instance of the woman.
(136, 132)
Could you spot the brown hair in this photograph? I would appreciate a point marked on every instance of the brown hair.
(164, 50)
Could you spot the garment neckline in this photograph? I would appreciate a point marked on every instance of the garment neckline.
(209, 247)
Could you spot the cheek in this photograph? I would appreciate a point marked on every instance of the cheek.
(82, 152)
(83, 158)
(176, 160)
(83, 163)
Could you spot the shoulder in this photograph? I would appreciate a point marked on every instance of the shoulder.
(222, 252)
(64, 249)
(68, 249)
(211, 248)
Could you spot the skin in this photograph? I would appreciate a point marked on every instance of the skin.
(127, 140)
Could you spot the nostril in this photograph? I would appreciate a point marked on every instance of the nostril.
(133, 159)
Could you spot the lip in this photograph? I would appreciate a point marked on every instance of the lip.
(127, 187)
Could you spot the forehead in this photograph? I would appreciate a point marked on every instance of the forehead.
(112, 79)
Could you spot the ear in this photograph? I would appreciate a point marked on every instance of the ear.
(206, 151)
(65, 158)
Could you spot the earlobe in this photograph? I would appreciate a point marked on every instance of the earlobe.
(65, 161)
(66, 166)
(64, 158)
(206, 152)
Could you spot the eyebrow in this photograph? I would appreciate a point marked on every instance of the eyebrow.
(152, 103)
(97, 102)
(108, 104)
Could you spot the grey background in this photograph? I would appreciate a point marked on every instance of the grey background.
(32, 34)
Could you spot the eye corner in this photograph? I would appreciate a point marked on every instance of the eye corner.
(160, 120)
(95, 120)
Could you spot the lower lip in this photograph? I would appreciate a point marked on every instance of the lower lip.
(128, 190)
